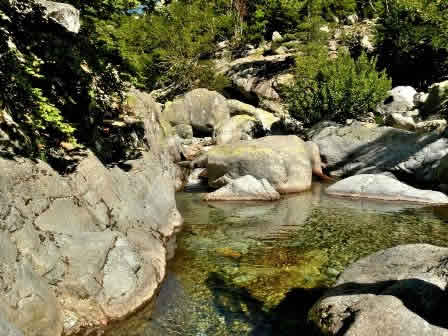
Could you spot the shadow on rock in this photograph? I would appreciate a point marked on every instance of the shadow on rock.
(418, 296)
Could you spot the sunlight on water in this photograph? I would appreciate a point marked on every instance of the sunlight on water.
(256, 268)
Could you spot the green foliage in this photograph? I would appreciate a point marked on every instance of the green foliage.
(286, 16)
(413, 34)
(336, 90)
(52, 81)
(171, 47)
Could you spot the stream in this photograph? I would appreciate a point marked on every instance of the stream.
(255, 268)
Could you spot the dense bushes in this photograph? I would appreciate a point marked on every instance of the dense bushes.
(171, 47)
(413, 41)
(336, 90)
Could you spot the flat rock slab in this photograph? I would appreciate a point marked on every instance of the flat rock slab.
(396, 292)
(385, 188)
(246, 188)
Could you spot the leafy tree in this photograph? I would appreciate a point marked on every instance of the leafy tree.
(413, 34)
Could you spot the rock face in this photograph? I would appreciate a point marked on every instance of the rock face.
(385, 188)
(64, 14)
(240, 127)
(363, 148)
(436, 98)
(395, 292)
(287, 162)
(81, 250)
(400, 100)
(256, 76)
(200, 108)
(246, 188)
(237, 108)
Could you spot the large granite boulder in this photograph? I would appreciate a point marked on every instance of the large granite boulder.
(82, 250)
(246, 188)
(385, 188)
(287, 162)
(399, 100)
(63, 14)
(365, 148)
(239, 108)
(436, 98)
(396, 292)
(200, 108)
(240, 127)
(256, 76)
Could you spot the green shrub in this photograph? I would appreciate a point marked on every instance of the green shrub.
(336, 90)
(413, 41)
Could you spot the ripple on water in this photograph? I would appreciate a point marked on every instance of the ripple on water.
(256, 268)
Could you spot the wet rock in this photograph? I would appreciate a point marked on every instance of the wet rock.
(200, 108)
(398, 291)
(246, 188)
(385, 188)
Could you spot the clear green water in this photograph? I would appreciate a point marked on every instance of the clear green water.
(254, 269)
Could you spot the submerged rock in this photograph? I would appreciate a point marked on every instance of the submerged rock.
(385, 188)
(246, 188)
(396, 292)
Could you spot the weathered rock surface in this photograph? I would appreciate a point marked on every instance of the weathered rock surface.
(64, 14)
(81, 250)
(240, 127)
(246, 188)
(237, 108)
(396, 292)
(84, 249)
(200, 108)
(287, 162)
(436, 98)
(400, 100)
(385, 188)
(255, 76)
(364, 148)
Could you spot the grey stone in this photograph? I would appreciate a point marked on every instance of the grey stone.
(184, 131)
(240, 127)
(246, 188)
(287, 162)
(400, 100)
(365, 148)
(267, 119)
(64, 14)
(385, 188)
(200, 108)
(396, 292)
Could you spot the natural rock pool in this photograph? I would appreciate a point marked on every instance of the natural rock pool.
(256, 268)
